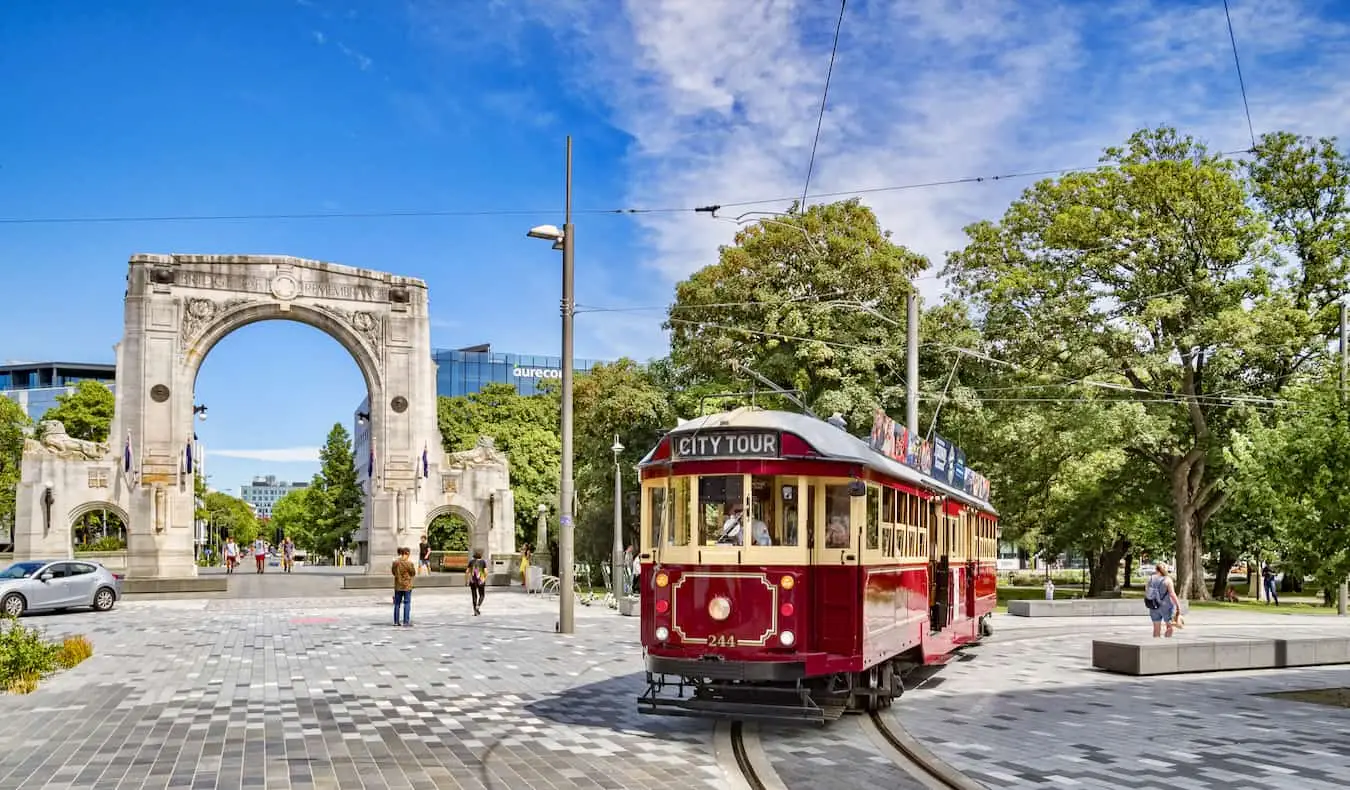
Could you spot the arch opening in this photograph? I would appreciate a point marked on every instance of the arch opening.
(98, 526)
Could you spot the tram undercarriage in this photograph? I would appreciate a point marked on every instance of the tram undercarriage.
(810, 700)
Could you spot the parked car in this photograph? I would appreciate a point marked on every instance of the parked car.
(47, 585)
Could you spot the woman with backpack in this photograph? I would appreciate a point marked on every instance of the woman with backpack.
(1160, 596)
(477, 573)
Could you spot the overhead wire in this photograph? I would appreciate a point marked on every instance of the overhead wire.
(1242, 85)
(820, 119)
(437, 213)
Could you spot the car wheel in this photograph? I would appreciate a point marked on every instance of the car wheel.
(104, 599)
(13, 605)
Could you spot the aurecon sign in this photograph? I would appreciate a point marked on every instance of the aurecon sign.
(536, 373)
(726, 445)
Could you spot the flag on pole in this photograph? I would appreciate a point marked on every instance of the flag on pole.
(126, 455)
(425, 469)
(370, 467)
(189, 457)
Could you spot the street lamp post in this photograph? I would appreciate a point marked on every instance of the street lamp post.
(565, 240)
(618, 569)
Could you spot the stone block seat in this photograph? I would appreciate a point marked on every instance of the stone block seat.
(191, 584)
(1084, 607)
(1147, 656)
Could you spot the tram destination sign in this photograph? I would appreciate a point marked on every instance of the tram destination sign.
(742, 444)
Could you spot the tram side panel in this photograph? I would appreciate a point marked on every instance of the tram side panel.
(895, 604)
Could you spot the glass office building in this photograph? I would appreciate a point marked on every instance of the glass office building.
(466, 370)
(35, 385)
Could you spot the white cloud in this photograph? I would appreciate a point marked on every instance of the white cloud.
(721, 100)
(278, 455)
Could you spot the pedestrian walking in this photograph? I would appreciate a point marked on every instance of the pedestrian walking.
(287, 554)
(424, 556)
(1160, 596)
(404, 573)
(477, 573)
(260, 553)
(525, 556)
(1268, 581)
(231, 555)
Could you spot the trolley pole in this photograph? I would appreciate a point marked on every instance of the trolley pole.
(567, 602)
(912, 363)
(1344, 592)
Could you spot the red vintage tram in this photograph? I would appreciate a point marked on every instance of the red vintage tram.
(791, 570)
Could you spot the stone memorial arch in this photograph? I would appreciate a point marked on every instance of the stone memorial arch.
(177, 308)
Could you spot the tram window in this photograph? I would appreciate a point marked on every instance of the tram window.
(680, 523)
(838, 528)
(773, 511)
(887, 540)
(720, 507)
(889, 505)
(656, 513)
(873, 517)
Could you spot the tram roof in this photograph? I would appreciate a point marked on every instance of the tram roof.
(833, 443)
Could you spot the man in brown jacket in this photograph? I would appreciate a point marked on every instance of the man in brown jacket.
(404, 573)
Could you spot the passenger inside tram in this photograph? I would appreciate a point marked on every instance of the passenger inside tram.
(731, 528)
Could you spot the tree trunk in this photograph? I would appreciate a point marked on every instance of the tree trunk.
(1227, 559)
(1129, 571)
(1106, 568)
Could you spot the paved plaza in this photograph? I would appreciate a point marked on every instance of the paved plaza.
(312, 688)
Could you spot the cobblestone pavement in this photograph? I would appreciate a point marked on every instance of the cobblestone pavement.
(323, 692)
(1027, 711)
(326, 693)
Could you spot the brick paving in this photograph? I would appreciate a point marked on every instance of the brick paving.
(319, 690)
(324, 693)
(1027, 711)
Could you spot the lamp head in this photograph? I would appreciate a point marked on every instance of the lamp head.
(47, 484)
(542, 508)
(546, 232)
(617, 448)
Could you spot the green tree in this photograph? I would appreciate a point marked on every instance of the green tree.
(525, 428)
(620, 400)
(1150, 276)
(338, 502)
(796, 300)
(298, 514)
(232, 516)
(14, 426)
(448, 532)
(87, 412)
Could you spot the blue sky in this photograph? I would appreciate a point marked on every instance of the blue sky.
(155, 108)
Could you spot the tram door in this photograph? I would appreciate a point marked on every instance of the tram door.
(835, 533)
(940, 588)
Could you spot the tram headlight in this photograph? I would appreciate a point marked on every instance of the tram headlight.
(662, 580)
(719, 608)
(662, 633)
(787, 638)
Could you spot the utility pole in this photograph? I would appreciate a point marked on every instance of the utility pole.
(567, 602)
(912, 363)
(1344, 593)
(617, 569)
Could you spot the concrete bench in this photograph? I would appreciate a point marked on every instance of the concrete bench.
(1178, 655)
(199, 584)
(1084, 607)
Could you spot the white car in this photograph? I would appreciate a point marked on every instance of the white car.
(48, 585)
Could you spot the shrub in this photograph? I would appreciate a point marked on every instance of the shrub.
(109, 543)
(24, 654)
(23, 684)
(73, 650)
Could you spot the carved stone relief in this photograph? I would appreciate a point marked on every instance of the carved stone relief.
(199, 313)
(368, 325)
(55, 441)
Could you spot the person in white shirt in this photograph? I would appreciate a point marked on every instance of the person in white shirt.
(260, 553)
(731, 529)
(231, 555)
(761, 532)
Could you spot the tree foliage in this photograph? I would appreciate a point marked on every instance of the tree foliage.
(798, 299)
(526, 428)
(14, 426)
(232, 516)
(87, 412)
(300, 514)
(1152, 276)
(334, 500)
